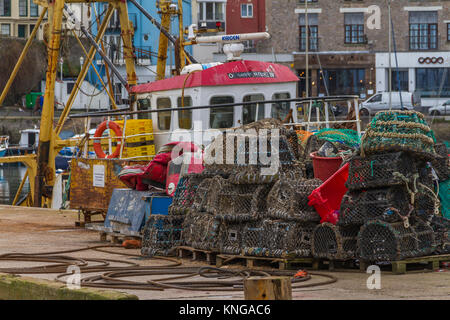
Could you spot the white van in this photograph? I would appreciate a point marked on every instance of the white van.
(380, 101)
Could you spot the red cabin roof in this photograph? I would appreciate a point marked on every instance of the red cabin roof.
(227, 74)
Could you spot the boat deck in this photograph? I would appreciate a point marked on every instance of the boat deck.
(33, 230)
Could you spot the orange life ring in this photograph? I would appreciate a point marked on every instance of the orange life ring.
(97, 143)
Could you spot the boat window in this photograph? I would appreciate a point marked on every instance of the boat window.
(70, 86)
(144, 104)
(184, 116)
(221, 117)
(253, 112)
(280, 110)
(165, 116)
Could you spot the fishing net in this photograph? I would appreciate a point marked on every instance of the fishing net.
(388, 204)
(183, 198)
(344, 138)
(335, 242)
(392, 131)
(379, 170)
(288, 200)
(201, 231)
(441, 164)
(382, 241)
(276, 238)
(161, 234)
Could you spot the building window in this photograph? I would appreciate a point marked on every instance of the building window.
(448, 31)
(313, 21)
(354, 28)
(31, 28)
(211, 11)
(184, 116)
(404, 80)
(343, 81)
(252, 112)
(164, 117)
(6, 30)
(280, 110)
(113, 46)
(34, 9)
(22, 31)
(5, 8)
(423, 30)
(23, 8)
(433, 82)
(221, 117)
(246, 10)
(249, 46)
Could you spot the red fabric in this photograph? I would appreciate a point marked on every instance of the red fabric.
(221, 75)
(327, 198)
(156, 170)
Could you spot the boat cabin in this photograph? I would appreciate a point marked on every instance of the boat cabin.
(227, 83)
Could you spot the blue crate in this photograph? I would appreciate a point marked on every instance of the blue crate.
(157, 204)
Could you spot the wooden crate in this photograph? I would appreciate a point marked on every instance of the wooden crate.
(87, 197)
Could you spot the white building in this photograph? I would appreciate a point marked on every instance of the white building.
(427, 73)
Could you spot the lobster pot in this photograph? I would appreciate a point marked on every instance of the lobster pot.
(378, 170)
(276, 238)
(234, 199)
(387, 204)
(199, 201)
(184, 194)
(380, 241)
(426, 203)
(237, 149)
(441, 228)
(335, 242)
(441, 164)
(392, 131)
(257, 174)
(161, 234)
(201, 231)
(231, 236)
(288, 200)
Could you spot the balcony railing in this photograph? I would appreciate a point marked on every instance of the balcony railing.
(143, 53)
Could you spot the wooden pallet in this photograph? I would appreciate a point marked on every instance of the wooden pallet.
(400, 267)
(115, 238)
(196, 254)
(282, 263)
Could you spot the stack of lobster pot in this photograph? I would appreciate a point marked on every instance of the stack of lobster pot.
(162, 233)
(232, 200)
(390, 189)
(286, 227)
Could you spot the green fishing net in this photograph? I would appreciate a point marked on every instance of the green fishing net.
(345, 137)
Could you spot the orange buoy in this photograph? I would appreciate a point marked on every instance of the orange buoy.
(97, 143)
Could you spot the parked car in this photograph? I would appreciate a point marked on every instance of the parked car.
(442, 110)
(380, 101)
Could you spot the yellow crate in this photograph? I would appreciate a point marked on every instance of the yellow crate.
(142, 151)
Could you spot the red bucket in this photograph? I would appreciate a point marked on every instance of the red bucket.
(325, 167)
